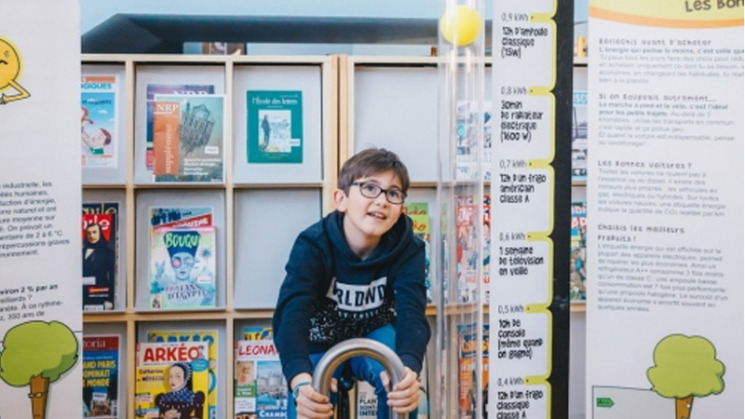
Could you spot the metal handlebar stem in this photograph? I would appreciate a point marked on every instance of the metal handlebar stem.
(353, 348)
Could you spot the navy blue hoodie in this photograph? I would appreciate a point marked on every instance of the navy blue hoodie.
(330, 294)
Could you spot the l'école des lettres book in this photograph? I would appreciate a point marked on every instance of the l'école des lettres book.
(153, 89)
(467, 351)
(274, 126)
(171, 377)
(209, 336)
(100, 255)
(98, 121)
(578, 252)
(260, 386)
(101, 376)
(419, 214)
(182, 268)
(188, 138)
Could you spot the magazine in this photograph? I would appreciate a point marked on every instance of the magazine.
(188, 138)
(419, 214)
(260, 386)
(101, 376)
(156, 88)
(258, 333)
(577, 253)
(467, 351)
(579, 136)
(98, 121)
(467, 150)
(100, 253)
(182, 268)
(467, 249)
(171, 377)
(185, 217)
(275, 126)
(209, 336)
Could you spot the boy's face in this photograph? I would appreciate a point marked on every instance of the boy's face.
(367, 219)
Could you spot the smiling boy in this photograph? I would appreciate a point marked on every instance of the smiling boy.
(359, 272)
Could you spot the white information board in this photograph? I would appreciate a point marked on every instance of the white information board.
(40, 207)
(665, 210)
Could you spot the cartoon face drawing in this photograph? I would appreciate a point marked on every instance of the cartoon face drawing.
(10, 71)
(10, 65)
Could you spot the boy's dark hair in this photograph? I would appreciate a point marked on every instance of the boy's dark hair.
(370, 162)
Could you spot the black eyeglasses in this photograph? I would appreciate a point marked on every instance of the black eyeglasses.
(372, 190)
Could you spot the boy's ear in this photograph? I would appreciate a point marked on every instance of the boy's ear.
(340, 199)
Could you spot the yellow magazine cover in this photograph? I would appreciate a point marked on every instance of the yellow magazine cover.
(171, 380)
(209, 336)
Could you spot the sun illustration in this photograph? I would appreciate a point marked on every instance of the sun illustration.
(10, 72)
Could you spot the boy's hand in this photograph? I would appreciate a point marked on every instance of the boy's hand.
(310, 403)
(404, 397)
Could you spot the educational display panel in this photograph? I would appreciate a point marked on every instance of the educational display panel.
(41, 344)
(665, 210)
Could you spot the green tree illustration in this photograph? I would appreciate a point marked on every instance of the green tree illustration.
(36, 354)
(685, 367)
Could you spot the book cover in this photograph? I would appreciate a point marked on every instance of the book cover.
(367, 400)
(181, 217)
(468, 342)
(99, 255)
(182, 268)
(101, 376)
(467, 248)
(577, 252)
(188, 138)
(258, 333)
(260, 386)
(275, 126)
(153, 89)
(209, 336)
(98, 121)
(419, 214)
(579, 136)
(171, 380)
(468, 151)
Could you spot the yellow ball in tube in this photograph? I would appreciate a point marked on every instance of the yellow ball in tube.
(461, 24)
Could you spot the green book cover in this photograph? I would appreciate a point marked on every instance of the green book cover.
(275, 126)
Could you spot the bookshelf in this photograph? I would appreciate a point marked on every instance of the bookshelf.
(252, 241)
(347, 107)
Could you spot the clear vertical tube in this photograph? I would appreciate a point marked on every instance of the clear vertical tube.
(460, 257)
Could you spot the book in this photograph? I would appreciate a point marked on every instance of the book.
(188, 138)
(171, 378)
(578, 252)
(153, 89)
(468, 342)
(260, 386)
(419, 214)
(182, 268)
(183, 217)
(468, 151)
(99, 255)
(209, 336)
(98, 121)
(274, 126)
(258, 333)
(579, 136)
(101, 376)
(467, 248)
